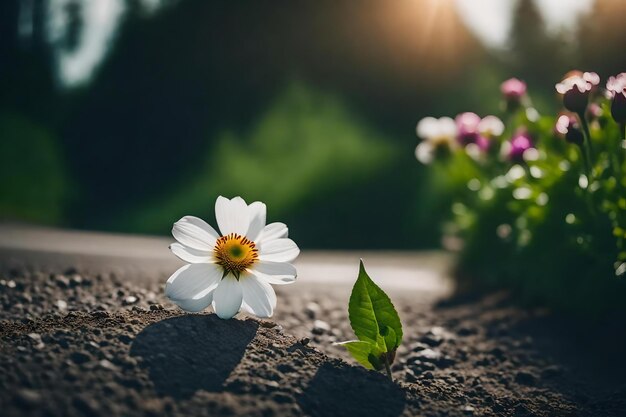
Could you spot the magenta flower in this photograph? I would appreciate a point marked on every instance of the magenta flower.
(568, 127)
(513, 89)
(519, 144)
(616, 88)
(575, 89)
(467, 128)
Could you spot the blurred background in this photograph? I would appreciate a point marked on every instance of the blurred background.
(124, 115)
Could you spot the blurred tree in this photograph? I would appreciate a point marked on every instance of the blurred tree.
(539, 57)
(602, 38)
(176, 78)
(26, 70)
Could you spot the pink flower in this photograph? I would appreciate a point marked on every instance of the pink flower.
(575, 89)
(513, 89)
(467, 128)
(616, 88)
(519, 144)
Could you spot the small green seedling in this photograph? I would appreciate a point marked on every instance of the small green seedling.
(375, 323)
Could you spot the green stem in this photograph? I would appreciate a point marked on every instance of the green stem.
(587, 133)
(387, 367)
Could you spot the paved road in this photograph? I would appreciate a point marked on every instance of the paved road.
(416, 274)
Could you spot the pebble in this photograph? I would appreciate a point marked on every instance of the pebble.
(80, 357)
(428, 355)
(61, 305)
(320, 327)
(28, 398)
(312, 310)
(131, 299)
(61, 281)
(156, 307)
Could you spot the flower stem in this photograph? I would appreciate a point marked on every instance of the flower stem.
(587, 133)
(387, 367)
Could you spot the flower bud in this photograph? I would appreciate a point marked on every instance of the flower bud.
(519, 144)
(568, 127)
(513, 91)
(575, 89)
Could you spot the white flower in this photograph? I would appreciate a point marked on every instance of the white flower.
(435, 133)
(490, 126)
(232, 271)
(616, 85)
(583, 82)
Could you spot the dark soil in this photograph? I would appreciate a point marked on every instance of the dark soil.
(75, 344)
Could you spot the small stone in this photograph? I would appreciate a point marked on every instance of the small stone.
(36, 337)
(428, 375)
(131, 299)
(320, 327)
(304, 341)
(100, 314)
(525, 378)
(105, 364)
(431, 339)
(28, 398)
(80, 357)
(156, 307)
(417, 346)
(267, 324)
(61, 281)
(468, 409)
(428, 355)
(411, 376)
(76, 280)
(61, 305)
(467, 331)
(312, 310)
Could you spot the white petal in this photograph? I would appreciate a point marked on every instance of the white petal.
(258, 213)
(195, 233)
(227, 297)
(273, 231)
(425, 153)
(447, 127)
(198, 303)
(427, 127)
(279, 250)
(191, 280)
(191, 255)
(259, 296)
(232, 215)
(278, 273)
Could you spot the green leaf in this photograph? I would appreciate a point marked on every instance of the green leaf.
(365, 353)
(372, 315)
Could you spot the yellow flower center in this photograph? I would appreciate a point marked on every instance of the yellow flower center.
(235, 253)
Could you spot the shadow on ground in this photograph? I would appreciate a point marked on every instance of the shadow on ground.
(193, 352)
(351, 391)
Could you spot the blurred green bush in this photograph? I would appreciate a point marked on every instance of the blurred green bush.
(306, 147)
(33, 182)
(541, 224)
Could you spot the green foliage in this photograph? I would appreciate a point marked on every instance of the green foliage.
(306, 146)
(33, 182)
(375, 323)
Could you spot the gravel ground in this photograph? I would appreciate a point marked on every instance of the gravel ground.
(78, 343)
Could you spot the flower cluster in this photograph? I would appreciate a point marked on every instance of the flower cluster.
(547, 194)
